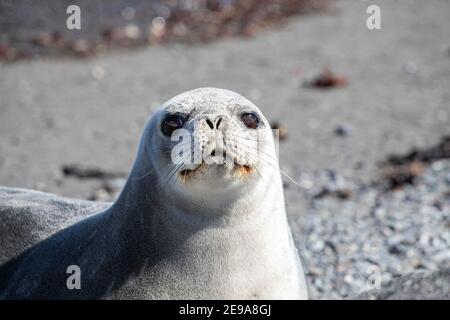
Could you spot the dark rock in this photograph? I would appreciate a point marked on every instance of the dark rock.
(327, 80)
(89, 173)
(342, 130)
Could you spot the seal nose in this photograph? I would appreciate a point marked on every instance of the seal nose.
(215, 149)
(210, 124)
(217, 122)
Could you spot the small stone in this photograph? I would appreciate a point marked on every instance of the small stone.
(57, 38)
(113, 34)
(425, 239)
(7, 53)
(80, 46)
(396, 250)
(128, 13)
(305, 181)
(157, 30)
(447, 179)
(342, 130)
(318, 245)
(436, 242)
(442, 256)
(131, 32)
(348, 278)
(438, 166)
(163, 11)
(327, 79)
(180, 30)
(43, 39)
(318, 282)
(158, 25)
(101, 195)
(98, 73)
(410, 67)
(100, 48)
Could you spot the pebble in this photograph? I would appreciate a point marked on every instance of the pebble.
(410, 67)
(98, 73)
(128, 13)
(342, 130)
(442, 256)
(131, 32)
(80, 46)
(101, 195)
(447, 178)
(43, 39)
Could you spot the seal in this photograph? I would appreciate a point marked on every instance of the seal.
(201, 216)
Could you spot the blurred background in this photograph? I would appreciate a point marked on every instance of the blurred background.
(364, 115)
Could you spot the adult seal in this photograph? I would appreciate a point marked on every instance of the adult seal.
(201, 216)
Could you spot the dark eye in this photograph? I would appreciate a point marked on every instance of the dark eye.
(171, 123)
(250, 120)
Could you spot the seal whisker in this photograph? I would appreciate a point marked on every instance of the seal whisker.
(149, 172)
(282, 172)
(257, 168)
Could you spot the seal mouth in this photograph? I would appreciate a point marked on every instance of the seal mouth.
(238, 170)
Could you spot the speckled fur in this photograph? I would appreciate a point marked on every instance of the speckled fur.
(215, 236)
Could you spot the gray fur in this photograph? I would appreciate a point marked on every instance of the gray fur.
(215, 237)
(28, 216)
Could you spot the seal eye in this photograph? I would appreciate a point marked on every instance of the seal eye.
(171, 123)
(250, 120)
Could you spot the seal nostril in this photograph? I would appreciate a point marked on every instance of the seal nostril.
(209, 123)
(218, 123)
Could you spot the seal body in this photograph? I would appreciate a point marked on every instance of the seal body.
(205, 222)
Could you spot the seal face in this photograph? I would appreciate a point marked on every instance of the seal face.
(201, 216)
(211, 141)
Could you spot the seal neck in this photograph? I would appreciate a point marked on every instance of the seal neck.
(142, 199)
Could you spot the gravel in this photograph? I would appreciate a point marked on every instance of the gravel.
(346, 244)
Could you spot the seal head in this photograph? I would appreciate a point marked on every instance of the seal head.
(209, 145)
